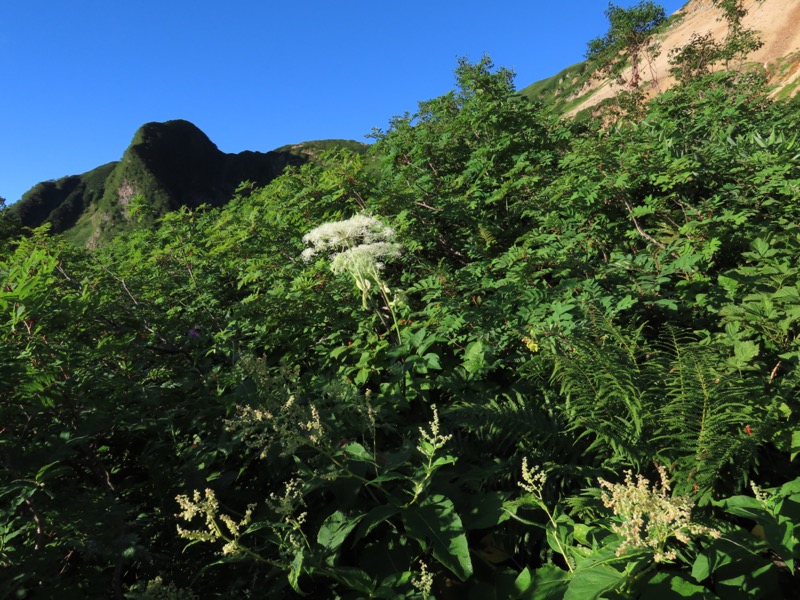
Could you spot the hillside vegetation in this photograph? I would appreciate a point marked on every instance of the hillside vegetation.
(505, 355)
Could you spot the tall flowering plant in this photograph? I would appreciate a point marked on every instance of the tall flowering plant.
(357, 246)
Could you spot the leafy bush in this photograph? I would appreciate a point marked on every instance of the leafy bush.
(194, 409)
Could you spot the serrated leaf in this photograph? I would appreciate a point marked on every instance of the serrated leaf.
(432, 361)
(744, 352)
(474, 360)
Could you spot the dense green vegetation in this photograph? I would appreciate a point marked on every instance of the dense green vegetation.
(505, 356)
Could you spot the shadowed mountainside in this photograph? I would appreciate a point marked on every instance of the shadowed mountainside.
(170, 165)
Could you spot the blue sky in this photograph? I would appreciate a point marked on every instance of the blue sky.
(79, 77)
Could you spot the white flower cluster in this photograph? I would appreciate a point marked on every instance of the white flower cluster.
(157, 589)
(357, 245)
(432, 441)
(358, 231)
(533, 479)
(290, 531)
(294, 424)
(424, 583)
(208, 507)
(650, 517)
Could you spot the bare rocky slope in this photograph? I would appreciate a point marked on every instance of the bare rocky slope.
(778, 22)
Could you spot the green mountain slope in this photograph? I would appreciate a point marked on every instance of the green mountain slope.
(61, 202)
(167, 165)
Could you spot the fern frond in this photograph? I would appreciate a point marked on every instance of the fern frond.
(676, 401)
(706, 406)
(604, 385)
(488, 239)
(503, 423)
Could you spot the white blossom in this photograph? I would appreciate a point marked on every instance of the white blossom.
(357, 246)
(341, 236)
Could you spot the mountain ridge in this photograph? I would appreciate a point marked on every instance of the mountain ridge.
(172, 164)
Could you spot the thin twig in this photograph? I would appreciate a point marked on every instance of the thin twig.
(641, 231)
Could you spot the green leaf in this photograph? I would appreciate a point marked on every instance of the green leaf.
(375, 517)
(745, 506)
(361, 377)
(625, 303)
(591, 583)
(795, 450)
(435, 521)
(549, 583)
(474, 360)
(736, 552)
(744, 352)
(335, 529)
(356, 451)
(763, 582)
(523, 583)
(665, 586)
(483, 510)
(353, 578)
(432, 361)
(295, 570)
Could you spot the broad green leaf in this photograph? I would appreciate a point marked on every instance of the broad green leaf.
(763, 582)
(435, 521)
(335, 529)
(745, 506)
(549, 582)
(375, 517)
(665, 586)
(482, 510)
(523, 583)
(593, 582)
(295, 570)
(736, 551)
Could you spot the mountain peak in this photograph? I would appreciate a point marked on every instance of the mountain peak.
(171, 164)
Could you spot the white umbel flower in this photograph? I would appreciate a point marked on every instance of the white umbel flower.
(358, 246)
(357, 231)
